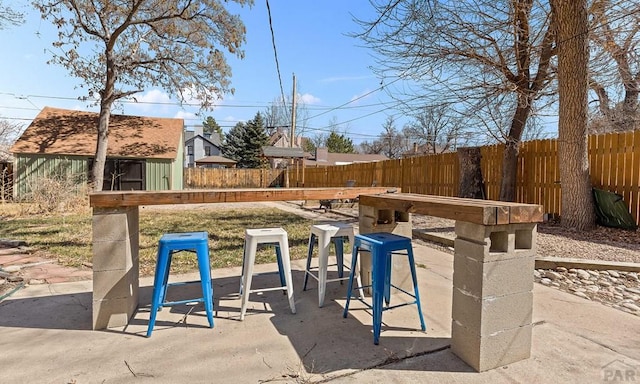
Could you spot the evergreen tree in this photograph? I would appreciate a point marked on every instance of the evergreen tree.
(255, 137)
(244, 143)
(233, 147)
(339, 143)
(210, 125)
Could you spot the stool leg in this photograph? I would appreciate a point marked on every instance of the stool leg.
(379, 273)
(249, 259)
(165, 280)
(307, 271)
(280, 267)
(158, 286)
(205, 281)
(354, 262)
(286, 261)
(387, 278)
(338, 242)
(412, 265)
(244, 258)
(324, 243)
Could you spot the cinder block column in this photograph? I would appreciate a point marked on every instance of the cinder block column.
(115, 266)
(492, 293)
(373, 219)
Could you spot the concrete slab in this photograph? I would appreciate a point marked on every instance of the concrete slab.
(45, 336)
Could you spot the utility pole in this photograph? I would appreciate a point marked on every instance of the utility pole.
(293, 113)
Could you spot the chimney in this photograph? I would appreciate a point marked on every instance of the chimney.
(198, 130)
(415, 148)
(322, 154)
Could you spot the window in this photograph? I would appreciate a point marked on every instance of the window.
(207, 151)
(190, 150)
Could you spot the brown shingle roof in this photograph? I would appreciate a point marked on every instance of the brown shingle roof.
(69, 132)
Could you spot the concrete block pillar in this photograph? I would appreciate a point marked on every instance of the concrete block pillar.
(115, 266)
(492, 293)
(373, 219)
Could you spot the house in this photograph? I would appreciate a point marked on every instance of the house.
(280, 152)
(144, 153)
(323, 158)
(199, 145)
(280, 157)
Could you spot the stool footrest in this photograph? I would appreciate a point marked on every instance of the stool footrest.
(179, 302)
(268, 289)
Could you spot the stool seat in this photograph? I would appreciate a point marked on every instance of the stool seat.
(326, 234)
(169, 244)
(383, 246)
(268, 236)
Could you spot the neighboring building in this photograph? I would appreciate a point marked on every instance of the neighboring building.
(204, 150)
(143, 153)
(323, 158)
(280, 152)
(280, 157)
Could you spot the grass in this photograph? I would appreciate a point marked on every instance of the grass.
(67, 238)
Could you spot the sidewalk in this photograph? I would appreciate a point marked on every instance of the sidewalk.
(45, 337)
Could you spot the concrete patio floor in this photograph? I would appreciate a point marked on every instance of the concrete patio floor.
(45, 337)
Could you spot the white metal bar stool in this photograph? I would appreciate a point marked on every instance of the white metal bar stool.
(325, 235)
(252, 238)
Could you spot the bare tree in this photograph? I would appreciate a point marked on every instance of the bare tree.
(278, 115)
(469, 53)
(391, 142)
(571, 21)
(9, 132)
(120, 48)
(9, 16)
(615, 64)
(436, 128)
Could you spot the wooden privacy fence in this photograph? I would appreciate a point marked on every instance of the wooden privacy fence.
(614, 162)
(198, 178)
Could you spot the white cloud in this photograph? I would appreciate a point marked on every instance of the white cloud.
(308, 99)
(185, 115)
(154, 96)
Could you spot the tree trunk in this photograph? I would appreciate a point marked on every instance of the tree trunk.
(101, 147)
(570, 19)
(107, 98)
(471, 182)
(512, 146)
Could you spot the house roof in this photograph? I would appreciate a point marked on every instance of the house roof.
(283, 152)
(214, 139)
(345, 158)
(215, 160)
(68, 132)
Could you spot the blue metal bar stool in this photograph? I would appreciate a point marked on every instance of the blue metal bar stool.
(383, 246)
(176, 242)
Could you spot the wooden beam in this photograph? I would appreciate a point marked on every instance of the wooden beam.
(484, 212)
(113, 199)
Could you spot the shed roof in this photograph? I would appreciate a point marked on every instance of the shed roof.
(282, 152)
(215, 160)
(69, 132)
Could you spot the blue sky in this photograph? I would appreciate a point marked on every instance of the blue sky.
(332, 69)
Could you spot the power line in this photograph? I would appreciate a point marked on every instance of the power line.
(275, 53)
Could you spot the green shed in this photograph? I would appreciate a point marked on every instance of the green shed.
(144, 153)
